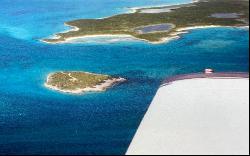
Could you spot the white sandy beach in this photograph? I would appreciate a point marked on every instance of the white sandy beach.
(196, 116)
(114, 36)
(152, 7)
(71, 28)
(74, 39)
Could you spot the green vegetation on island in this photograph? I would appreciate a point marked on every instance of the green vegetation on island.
(78, 82)
(201, 13)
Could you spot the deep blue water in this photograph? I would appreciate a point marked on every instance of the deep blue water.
(34, 119)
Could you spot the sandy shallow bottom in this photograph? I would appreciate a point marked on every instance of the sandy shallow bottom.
(196, 116)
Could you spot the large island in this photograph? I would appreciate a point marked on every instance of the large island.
(160, 23)
(80, 82)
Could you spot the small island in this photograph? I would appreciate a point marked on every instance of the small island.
(158, 24)
(80, 82)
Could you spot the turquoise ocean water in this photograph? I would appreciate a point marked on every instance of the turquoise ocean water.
(36, 120)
